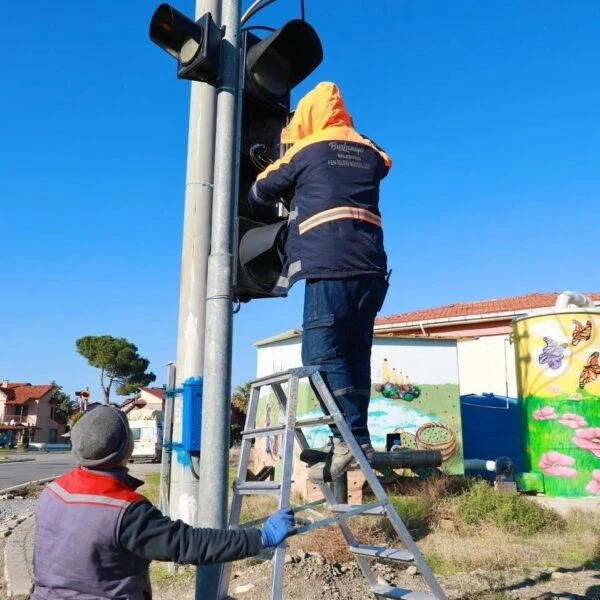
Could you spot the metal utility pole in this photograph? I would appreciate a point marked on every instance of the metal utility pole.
(192, 299)
(214, 460)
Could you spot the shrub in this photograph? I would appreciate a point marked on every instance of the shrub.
(510, 511)
(414, 512)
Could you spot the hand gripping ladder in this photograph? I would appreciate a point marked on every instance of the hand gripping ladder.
(291, 430)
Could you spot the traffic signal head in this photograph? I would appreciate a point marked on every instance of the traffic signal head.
(272, 67)
(278, 63)
(195, 44)
(260, 257)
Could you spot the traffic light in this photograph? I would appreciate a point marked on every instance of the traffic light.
(272, 67)
(195, 44)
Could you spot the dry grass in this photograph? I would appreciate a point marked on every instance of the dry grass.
(430, 510)
(464, 547)
(492, 548)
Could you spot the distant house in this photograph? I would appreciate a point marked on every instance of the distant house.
(152, 398)
(29, 413)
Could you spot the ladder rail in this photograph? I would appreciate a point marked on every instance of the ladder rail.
(289, 409)
(299, 372)
(237, 500)
(376, 486)
(324, 488)
(344, 527)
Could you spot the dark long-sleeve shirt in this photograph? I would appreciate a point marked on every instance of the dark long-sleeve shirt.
(147, 533)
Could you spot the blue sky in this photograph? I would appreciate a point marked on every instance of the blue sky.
(489, 110)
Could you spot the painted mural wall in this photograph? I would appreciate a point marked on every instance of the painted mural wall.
(414, 393)
(557, 367)
(487, 365)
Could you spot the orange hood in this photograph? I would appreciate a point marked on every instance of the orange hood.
(321, 108)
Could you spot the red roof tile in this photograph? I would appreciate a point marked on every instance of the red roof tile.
(129, 405)
(24, 393)
(156, 391)
(482, 307)
(8, 392)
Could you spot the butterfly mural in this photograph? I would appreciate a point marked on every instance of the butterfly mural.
(553, 353)
(591, 370)
(581, 333)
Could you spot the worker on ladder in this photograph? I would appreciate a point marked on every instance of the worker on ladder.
(335, 243)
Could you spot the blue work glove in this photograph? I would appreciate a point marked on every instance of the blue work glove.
(277, 528)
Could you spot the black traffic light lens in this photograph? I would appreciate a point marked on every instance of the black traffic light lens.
(175, 33)
(168, 29)
(274, 74)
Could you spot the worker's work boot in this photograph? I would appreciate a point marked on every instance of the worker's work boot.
(328, 447)
(336, 463)
(368, 450)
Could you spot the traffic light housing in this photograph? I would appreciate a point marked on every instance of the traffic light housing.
(196, 45)
(272, 67)
(278, 63)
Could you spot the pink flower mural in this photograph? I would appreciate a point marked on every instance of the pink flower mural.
(588, 439)
(593, 487)
(572, 421)
(544, 414)
(557, 464)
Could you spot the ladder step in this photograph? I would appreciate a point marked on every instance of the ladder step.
(260, 431)
(270, 379)
(389, 591)
(322, 420)
(377, 511)
(258, 488)
(382, 552)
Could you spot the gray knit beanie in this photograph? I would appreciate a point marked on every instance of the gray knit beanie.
(100, 439)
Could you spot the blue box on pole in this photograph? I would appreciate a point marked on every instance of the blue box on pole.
(192, 415)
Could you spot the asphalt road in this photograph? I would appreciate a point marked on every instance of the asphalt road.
(43, 466)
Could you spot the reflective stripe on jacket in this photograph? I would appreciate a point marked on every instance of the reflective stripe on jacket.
(334, 173)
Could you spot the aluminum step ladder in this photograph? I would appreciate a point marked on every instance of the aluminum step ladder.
(291, 430)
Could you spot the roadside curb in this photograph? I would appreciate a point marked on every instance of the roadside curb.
(18, 560)
(24, 485)
(18, 552)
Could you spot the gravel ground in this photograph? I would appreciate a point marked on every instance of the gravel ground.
(13, 508)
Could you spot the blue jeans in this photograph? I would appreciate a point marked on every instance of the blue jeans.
(339, 315)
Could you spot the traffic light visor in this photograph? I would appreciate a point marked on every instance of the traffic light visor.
(259, 253)
(175, 33)
(285, 58)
